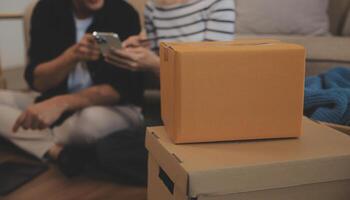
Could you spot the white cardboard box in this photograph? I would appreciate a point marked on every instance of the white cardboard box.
(314, 167)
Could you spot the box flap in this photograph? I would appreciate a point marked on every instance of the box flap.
(169, 90)
(225, 45)
(252, 42)
(322, 154)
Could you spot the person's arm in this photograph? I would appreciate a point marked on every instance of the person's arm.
(136, 56)
(44, 114)
(96, 95)
(49, 74)
(134, 59)
(220, 21)
(48, 65)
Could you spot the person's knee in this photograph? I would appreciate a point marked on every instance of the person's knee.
(92, 115)
(6, 98)
(85, 128)
(97, 122)
(99, 118)
(94, 123)
(15, 99)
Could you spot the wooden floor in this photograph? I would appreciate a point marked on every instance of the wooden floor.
(52, 185)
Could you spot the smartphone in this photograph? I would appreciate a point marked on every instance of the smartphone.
(107, 40)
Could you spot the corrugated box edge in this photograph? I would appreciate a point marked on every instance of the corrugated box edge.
(169, 162)
(341, 128)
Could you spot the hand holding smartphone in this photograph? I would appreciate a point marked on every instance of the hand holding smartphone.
(106, 41)
(137, 41)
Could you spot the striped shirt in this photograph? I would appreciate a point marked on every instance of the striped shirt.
(196, 20)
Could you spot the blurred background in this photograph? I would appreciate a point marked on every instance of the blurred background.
(12, 45)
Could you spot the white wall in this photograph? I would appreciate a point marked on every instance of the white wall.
(13, 5)
(12, 51)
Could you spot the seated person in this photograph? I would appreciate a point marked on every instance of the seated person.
(175, 21)
(165, 20)
(83, 99)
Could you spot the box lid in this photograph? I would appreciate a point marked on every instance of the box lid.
(239, 44)
(322, 154)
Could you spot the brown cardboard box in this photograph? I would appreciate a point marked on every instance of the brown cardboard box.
(315, 166)
(240, 90)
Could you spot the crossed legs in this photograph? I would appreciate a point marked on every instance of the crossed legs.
(83, 127)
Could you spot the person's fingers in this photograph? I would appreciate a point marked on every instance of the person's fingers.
(88, 42)
(96, 47)
(118, 56)
(45, 123)
(132, 41)
(84, 43)
(28, 121)
(91, 44)
(88, 52)
(88, 37)
(135, 52)
(19, 122)
(125, 64)
(123, 53)
(91, 54)
(146, 43)
(42, 126)
(35, 123)
(94, 55)
(115, 63)
(84, 52)
(88, 46)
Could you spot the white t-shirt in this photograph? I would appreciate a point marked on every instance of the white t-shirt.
(79, 78)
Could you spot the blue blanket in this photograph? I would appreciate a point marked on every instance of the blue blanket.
(327, 96)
